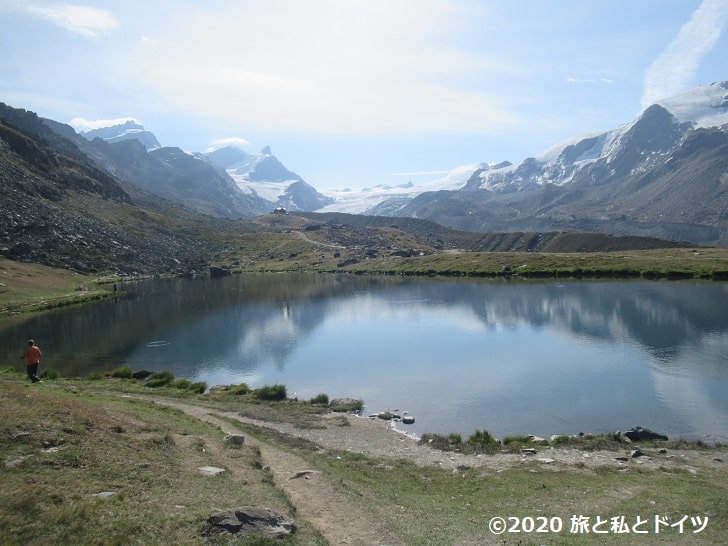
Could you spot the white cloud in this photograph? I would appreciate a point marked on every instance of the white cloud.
(230, 141)
(580, 79)
(148, 42)
(326, 67)
(673, 68)
(81, 124)
(84, 20)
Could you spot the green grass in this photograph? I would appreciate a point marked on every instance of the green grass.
(434, 506)
(33, 287)
(64, 441)
(61, 446)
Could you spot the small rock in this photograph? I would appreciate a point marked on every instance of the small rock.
(717, 459)
(622, 459)
(14, 462)
(105, 494)
(408, 419)
(211, 470)
(302, 473)
(662, 451)
(219, 388)
(545, 460)
(528, 451)
(235, 440)
(636, 453)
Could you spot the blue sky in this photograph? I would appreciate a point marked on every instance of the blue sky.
(350, 93)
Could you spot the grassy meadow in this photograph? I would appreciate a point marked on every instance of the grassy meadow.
(87, 462)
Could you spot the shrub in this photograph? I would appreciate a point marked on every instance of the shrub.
(450, 442)
(50, 374)
(322, 399)
(9, 370)
(482, 440)
(560, 440)
(520, 439)
(121, 373)
(271, 392)
(199, 387)
(182, 384)
(455, 438)
(160, 379)
(95, 376)
(239, 389)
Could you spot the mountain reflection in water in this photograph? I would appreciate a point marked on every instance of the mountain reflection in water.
(509, 356)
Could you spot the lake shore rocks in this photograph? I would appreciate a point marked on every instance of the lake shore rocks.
(640, 433)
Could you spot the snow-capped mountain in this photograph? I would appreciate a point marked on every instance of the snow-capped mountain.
(653, 132)
(663, 174)
(263, 175)
(227, 182)
(129, 130)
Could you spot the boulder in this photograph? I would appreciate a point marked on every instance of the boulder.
(217, 272)
(408, 419)
(640, 433)
(250, 521)
(235, 440)
(141, 374)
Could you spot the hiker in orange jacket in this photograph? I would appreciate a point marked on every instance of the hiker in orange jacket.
(32, 356)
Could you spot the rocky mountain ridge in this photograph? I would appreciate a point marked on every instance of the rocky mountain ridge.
(663, 175)
(129, 130)
(228, 183)
(59, 209)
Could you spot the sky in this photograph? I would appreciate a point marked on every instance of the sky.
(355, 93)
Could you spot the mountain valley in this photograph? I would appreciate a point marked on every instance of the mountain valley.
(116, 200)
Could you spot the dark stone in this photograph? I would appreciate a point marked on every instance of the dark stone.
(141, 374)
(639, 433)
(252, 521)
(218, 272)
(637, 453)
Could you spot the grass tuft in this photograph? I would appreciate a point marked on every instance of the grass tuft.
(160, 379)
(271, 393)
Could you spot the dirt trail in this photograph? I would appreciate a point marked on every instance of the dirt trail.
(341, 520)
(316, 500)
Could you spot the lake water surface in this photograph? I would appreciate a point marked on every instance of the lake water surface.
(509, 356)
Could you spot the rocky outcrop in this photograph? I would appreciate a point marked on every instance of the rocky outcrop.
(251, 521)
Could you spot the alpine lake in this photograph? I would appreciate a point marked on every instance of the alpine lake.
(507, 355)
